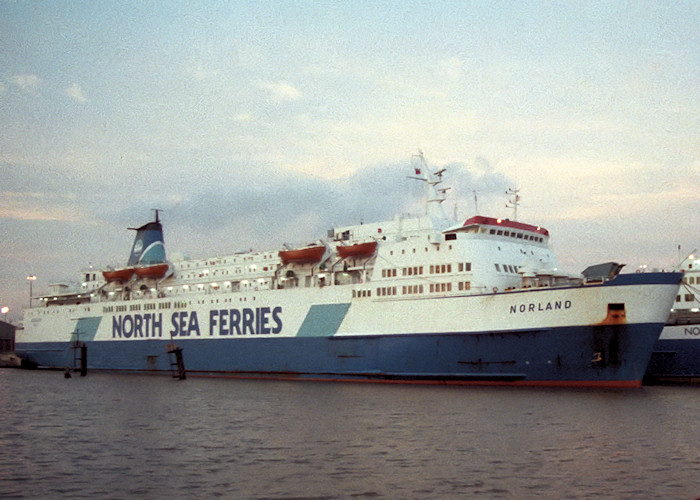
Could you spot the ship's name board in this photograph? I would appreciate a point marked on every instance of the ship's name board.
(555, 305)
(222, 322)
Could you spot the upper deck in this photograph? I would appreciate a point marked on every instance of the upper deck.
(415, 254)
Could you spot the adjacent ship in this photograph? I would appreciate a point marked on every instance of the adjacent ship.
(676, 355)
(418, 299)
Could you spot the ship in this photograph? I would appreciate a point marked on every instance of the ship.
(417, 298)
(676, 355)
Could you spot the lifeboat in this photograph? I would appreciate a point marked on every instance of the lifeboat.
(118, 274)
(308, 255)
(358, 250)
(152, 271)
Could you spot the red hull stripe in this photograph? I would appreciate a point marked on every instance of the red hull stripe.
(618, 384)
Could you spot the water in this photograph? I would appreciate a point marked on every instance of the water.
(119, 436)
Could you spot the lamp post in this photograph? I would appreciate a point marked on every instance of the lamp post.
(31, 280)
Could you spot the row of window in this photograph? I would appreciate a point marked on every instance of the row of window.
(520, 236)
(507, 268)
(389, 291)
(413, 250)
(689, 297)
(441, 269)
(432, 269)
(412, 271)
(235, 260)
(440, 287)
(137, 307)
(53, 310)
(447, 287)
(226, 272)
(691, 280)
(167, 305)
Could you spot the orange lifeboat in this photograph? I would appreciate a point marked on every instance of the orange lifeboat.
(118, 274)
(307, 255)
(358, 250)
(152, 271)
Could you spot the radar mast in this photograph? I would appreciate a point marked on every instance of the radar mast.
(434, 196)
(514, 201)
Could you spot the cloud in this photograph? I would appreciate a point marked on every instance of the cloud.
(281, 91)
(201, 74)
(229, 207)
(28, 83)
(75, 92)
(38, 206)
(40, 194)
(266, 207)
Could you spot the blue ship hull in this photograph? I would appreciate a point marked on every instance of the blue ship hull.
(674, 361)
(555, 356)
(676, 355)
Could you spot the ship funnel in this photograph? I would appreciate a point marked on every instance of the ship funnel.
(148, 245)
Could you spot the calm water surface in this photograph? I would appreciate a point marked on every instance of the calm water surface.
(117, 436)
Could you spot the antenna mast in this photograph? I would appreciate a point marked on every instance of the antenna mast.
(434, 196)
(157, 211)
(514, 201)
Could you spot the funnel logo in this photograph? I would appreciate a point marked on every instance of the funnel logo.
(138, 246)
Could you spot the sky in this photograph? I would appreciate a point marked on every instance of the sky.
(253, 124)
